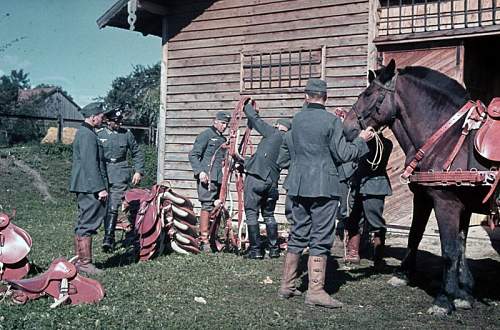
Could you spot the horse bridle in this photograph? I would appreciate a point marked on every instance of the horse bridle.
(388, 87)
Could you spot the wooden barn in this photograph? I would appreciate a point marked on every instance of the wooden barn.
(213, 52)
(51, 102)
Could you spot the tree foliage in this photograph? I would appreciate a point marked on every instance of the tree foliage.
(139, 93)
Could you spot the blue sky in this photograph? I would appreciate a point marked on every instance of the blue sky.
(58, 42)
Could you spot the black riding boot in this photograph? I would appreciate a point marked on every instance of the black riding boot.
(255, 250)
(108, 243)
(272, 239)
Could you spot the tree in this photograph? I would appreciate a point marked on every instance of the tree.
(138, 92)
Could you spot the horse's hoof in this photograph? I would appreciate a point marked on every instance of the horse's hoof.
(462, 304)
(438, 310)
(397, 281)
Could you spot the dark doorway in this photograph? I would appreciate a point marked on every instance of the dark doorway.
(482, 67)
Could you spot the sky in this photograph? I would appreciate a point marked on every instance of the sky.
(58, 42)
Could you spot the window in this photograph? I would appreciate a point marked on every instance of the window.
(281, 70)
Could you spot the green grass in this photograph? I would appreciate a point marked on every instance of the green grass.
(160, 293)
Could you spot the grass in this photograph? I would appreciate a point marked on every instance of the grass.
(161, 293)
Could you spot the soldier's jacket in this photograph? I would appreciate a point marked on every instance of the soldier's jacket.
(319, 144)
(88, 172)
(116, 144)
(207, 144)
(286, 154)
(263, 161)
(374, 182)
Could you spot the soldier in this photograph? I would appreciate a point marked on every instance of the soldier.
(116, 142)
(206, 159)
(370, 184)
(89, 182)
(261, 183)
(319, 143)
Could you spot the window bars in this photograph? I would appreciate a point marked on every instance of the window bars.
(281, 70)
(411, 16)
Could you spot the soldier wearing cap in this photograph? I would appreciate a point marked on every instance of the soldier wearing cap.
(261, 183)
(89, 182)
(117, 142)
(206, 159)
(319, 145)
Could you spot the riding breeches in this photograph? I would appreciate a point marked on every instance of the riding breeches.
(91, 213)
(260, 196)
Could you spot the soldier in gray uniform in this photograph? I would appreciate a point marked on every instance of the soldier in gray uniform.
(370, 186)
(319, 144)
(206, 159)
(117, 142)
(89, 182)
(261, 183)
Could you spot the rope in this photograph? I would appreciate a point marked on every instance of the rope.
(379, 151)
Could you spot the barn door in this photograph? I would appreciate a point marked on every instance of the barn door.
(448, 60)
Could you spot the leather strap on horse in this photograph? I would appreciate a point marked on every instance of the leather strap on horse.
(454, 178)
(434, 138)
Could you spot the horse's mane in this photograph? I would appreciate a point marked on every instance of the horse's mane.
(439, 82)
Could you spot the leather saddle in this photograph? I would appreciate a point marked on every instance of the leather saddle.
(487, 138)
(62, 282)
(163, 218)
(15, 244)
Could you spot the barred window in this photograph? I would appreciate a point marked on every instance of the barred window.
(281, 70)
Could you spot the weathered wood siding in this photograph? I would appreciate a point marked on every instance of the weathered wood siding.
(203, 74)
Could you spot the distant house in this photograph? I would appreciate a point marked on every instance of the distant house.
(51, 102)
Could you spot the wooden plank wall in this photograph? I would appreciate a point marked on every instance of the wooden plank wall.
(204, 65)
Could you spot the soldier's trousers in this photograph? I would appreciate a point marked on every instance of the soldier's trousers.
(260, 196)
(91, 213)
(369, 208)
(208, 196)
(116, 192)
(314, 223)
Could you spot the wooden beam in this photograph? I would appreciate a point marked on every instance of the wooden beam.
(163, 102)
(373, 21)
(438, 35)
(152, 7)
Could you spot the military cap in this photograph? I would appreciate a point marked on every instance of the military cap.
(92, 109)
(223, 116)
(285, 122)
(316, 86)
(115, 114)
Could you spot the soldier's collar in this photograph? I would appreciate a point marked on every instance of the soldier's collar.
(315, 106)
(87, 125)
(215, 130)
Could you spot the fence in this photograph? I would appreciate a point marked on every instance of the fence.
(410, 16)
(144, 134)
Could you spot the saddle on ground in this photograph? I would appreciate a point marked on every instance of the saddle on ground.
(15, 244)
(486, 141)
(62, 282)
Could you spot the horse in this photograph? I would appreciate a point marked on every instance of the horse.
(414, 102)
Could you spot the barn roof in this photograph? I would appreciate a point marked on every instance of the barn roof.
(150, 13)
(27, 95)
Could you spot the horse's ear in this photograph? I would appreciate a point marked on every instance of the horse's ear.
(391, 67)
(371, 76)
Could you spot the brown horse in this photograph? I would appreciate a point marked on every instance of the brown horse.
(415, 102)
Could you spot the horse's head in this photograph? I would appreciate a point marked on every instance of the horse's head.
(375, 107)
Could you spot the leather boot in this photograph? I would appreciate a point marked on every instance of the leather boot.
(316, 294)
(255, 249)
(351, 247)
(83, 263)
(378, 251)
(108, 243)
(290, 274)
(272, 239)
(204, 228)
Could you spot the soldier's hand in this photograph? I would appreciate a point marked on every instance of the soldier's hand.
(204, 177)
(102, 195)
(136, 178)
(367, 134)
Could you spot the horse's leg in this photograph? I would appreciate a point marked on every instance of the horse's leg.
(464, 299)
(422, 207)
(448, 211)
